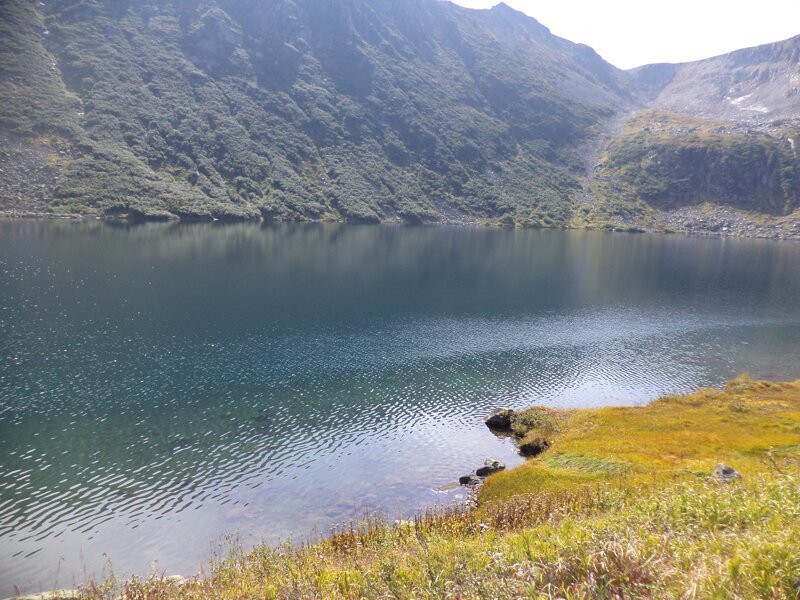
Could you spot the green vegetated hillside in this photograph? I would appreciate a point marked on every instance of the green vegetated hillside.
(367, 110)
(372, 110)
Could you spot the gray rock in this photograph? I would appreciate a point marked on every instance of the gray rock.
(500, 419)
(176, 580)
(403, 524)
(489, 467)
(725, 474)
(469, 480)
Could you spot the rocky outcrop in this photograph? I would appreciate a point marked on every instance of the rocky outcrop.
(500, 419)
(748, 172)
(535, 447)
(469, 480)
(669, 161)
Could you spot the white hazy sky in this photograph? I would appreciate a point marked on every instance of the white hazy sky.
(629, 33)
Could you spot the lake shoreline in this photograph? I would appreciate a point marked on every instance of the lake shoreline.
(584, 478)
(714, 231)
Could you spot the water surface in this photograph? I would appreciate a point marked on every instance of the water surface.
(162, 386)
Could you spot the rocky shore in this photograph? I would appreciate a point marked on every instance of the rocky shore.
(730, 222)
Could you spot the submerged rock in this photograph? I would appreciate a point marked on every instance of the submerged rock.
(262, 422)
(500, 419)
(489, 467)
(725, 474)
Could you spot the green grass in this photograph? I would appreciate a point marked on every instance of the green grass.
(621, 506)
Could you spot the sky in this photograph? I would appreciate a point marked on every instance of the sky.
(630, 33)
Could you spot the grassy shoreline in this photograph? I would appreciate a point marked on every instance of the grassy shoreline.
(621, 504)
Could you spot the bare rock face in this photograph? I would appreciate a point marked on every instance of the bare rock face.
(725, 474)
(745, 85)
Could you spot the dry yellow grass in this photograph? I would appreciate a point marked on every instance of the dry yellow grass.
(744, 425)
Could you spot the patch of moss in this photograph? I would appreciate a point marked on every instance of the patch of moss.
(584, 463)
(538, 420)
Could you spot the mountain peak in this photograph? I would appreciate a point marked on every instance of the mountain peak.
(504, 6)
(516, 17)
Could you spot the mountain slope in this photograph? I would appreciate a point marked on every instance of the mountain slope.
(750, 84)
(383, 111)
(364, 110)
(717, 151)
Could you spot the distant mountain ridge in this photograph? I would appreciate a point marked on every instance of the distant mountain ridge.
(717, 148)
(747, 84)
(355, 110)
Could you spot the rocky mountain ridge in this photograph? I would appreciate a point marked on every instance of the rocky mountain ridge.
(748, 85)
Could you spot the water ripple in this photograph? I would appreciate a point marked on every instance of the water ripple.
(146, 409)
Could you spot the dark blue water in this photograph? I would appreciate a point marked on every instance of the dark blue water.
(162, 386)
